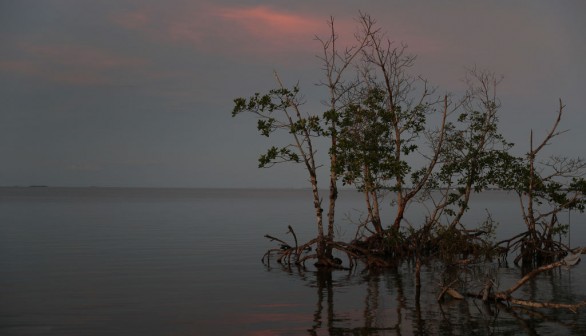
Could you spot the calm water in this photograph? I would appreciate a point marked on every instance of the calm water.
(107, 261)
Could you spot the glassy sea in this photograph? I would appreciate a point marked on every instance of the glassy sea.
(121, 261)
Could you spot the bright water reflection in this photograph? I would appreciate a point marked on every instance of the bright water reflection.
(187, 262)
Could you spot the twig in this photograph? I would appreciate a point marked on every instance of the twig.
(277, 239)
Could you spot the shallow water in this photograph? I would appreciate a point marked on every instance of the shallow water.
(109, 261)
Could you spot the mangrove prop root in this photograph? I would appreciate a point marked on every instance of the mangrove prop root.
(283, 243)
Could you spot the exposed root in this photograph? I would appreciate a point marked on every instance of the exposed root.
(386, 249)
(533, 248)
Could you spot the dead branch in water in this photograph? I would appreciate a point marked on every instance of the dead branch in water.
(505, 296)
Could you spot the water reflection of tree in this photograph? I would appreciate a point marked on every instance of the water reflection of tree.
(325, 314)
(500, 318)
(393, 303)
(564, 321)
(373, 315)
(325, 295)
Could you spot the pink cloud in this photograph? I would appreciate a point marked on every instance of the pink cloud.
(87, 57)
(267, 24)
(70, 64)
(261, 31)
(256, 30)
(132, 20)
(19, 67)
(86, 78)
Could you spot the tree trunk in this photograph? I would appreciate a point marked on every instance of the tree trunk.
(400, 213)
(321, 241)
(376, 213)
(333, 183)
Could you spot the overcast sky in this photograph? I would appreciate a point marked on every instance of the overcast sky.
(139, 93)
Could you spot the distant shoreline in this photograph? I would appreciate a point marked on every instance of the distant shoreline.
(200, 188)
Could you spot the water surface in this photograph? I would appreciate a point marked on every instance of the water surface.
(113, 261)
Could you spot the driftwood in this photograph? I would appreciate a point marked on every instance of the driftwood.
(505, 296)
(450, 291)
(533, 304)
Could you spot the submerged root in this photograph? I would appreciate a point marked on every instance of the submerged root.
(386, 249)
(455, 248)
(449, 245)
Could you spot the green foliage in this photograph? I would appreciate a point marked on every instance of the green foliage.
(578, 185)
(474, 155)
(278, 110)
(264, 105)
(276, 155)
(367, 146)
(474, 152)
(266, 126)
(310, 124)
